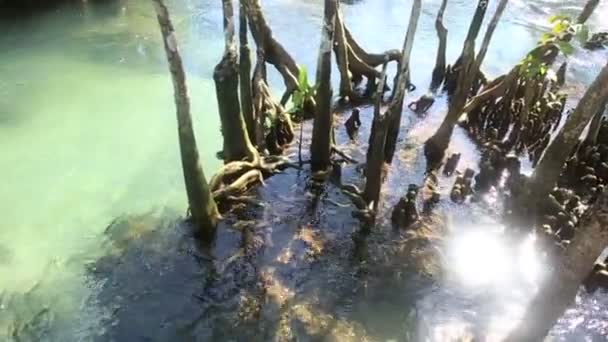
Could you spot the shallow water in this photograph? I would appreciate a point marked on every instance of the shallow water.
(87, 134)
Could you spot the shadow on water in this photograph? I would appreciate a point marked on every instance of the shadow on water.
(297, 268)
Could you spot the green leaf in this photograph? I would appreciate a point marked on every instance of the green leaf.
(546, 37)
(303, 78)
(582, 33)
(297, 99)
(565, 47)
(561, 27)
(558, 17)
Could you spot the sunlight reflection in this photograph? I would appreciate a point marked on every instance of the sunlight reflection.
(453, 331)
(486, 266)
(482, 256)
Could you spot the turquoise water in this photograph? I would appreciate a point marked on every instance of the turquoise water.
(88, 132)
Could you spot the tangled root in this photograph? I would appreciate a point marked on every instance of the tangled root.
(236, 178)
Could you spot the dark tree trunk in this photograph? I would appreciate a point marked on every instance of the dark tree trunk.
(469, 70)
(341, 51)
(596, 124)
(354, 62)
(274, 52)
(237, 146)
(320, 148)
(571, 269)
(550, 167)
(590, 6)
(401, 85)
(440, 61)
(202, 205)
(266, 109)
(245, 75)
(375, 154)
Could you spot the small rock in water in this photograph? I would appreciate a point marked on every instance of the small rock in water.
(353, 123)
(405, 213)
(451, 164)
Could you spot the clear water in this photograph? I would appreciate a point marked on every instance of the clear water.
(87, 132)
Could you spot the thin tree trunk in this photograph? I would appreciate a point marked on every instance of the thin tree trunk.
(589, 8)
(202, 205)
(320, 148)
(354, 62)
(440, 61)
(375, 153)
(237, 146)
(401, 85)
(435, 147)
(341, 50)
(550, 167)
(245, 74)
(487, 38)
(274, 52)
(571, 269)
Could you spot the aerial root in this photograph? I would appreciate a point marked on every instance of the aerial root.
(354, 62)
(364, 212)
(344, 155)
(235, 178)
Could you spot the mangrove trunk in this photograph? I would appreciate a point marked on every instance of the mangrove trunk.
(440, 60)
(571, 269)
(468, 73)
(245, 75)
(375, 154)
(237, 146)
(320, 148)
(274, 52)
(402, 84)
(202, 205)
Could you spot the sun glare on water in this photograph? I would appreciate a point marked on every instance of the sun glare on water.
(481, 256)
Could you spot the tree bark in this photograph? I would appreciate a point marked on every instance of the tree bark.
(401, 85)
(266, 109)
(550, 167)
(596, 124)
(341, 51)
(469, 70)
(487, 38)
(202, 205)
(237, 146)
(354, 62)
(440, 60)
(375, 153)
(245, 75)
(274, 52)
(320, 148)
(589, 8)
(571, 269)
